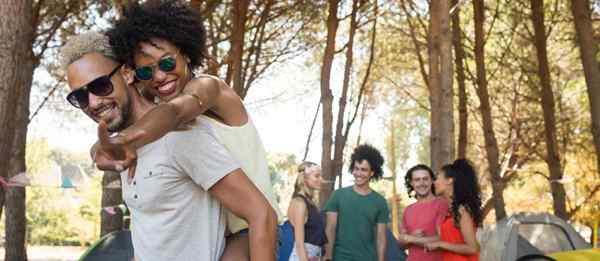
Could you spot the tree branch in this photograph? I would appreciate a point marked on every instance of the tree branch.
(312, 126)
(366, 77)
(585, 201)
(421, 105)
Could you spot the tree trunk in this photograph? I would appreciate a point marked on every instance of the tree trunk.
(491, 144)
(327, 101)
(552, 157)
(111, 196)
(434, 84)
(340, 138)
(393, 164)
(591, 68)
(460, 78)
(16, 223)
(239, 13)
(365, 92)
(447, 142)
(440, 80)
(15, 27)
(440, 85)
(17, 72)
(363, 115)
(310, 132)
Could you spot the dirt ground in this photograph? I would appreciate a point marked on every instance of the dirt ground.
(50, 253)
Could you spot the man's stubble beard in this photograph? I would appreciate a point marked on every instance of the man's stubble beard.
(120, 123)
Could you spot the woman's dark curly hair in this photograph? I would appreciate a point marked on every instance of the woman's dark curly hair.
(466, 190)
(171, 20)
(371, 155)
(408, 177)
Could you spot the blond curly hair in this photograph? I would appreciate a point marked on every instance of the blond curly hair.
(79, 45)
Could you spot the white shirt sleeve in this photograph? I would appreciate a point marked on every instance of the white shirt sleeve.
(201, 156)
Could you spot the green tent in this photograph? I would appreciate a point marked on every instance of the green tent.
(115, 246)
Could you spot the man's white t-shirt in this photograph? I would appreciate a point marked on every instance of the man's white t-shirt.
(172, 215)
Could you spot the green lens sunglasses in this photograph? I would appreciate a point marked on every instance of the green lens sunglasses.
(146, 72)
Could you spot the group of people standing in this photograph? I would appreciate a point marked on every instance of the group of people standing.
(440, 225)
(193, 167)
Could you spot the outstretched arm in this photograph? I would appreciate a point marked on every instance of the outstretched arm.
(199, 95)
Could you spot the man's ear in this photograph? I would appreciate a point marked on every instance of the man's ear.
(128, 74)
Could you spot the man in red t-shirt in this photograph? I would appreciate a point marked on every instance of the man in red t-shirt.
(420, 220)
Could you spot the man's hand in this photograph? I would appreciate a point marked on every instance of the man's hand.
(116, 153)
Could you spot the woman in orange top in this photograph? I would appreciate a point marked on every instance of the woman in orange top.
(457, 182)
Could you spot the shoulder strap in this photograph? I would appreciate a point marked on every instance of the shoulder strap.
(306, 200)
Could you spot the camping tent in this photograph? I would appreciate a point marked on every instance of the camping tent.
(117, 246)
(526, 234)
(113, 246)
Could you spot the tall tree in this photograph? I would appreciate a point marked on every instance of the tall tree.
(239, 13)
(459, 57)
(43, 26)
(260, 34)
(344, 125)
(589, 51)
(340, 138)
(491, 144)
(327, 98)
(392, 162)
(17, 67)
(552, 151)
(440, 84)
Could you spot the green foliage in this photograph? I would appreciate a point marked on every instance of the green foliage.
(511, 70)
(57, 216)
(282, 168)
(48, 221)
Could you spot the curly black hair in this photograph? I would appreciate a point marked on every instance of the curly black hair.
(371, 155)
(171, 20)
(408, 177)
(466, 190)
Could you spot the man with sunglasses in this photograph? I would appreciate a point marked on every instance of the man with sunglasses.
(165, 42)
(182, 178)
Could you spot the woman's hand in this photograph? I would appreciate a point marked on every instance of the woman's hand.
(431, 246)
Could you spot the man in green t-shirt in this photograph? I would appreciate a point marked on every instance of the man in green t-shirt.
(357, 215)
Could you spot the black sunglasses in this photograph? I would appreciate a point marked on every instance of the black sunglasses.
(146, 72)
(101, 86)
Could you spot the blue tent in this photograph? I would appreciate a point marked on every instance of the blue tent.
(66, 182)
